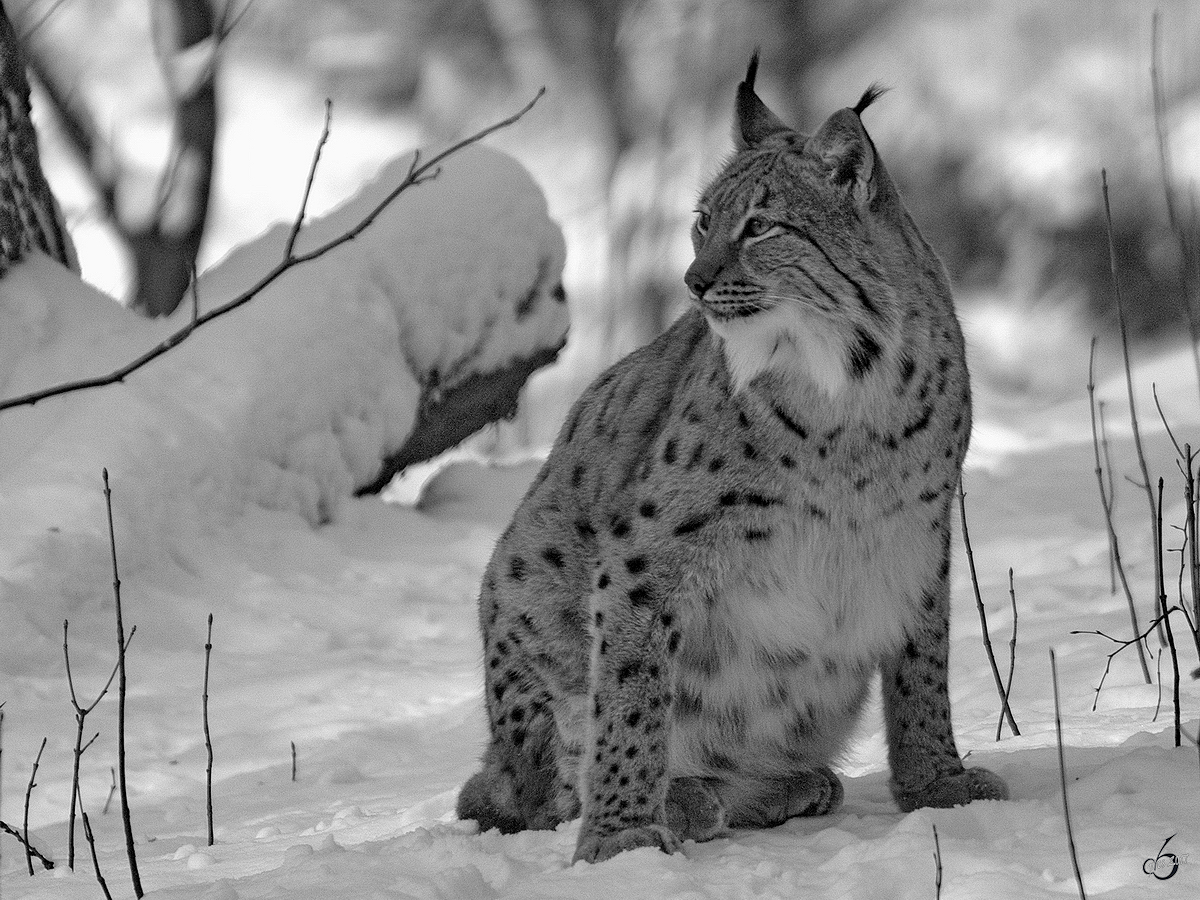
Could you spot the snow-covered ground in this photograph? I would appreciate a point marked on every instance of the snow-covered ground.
(347, 626)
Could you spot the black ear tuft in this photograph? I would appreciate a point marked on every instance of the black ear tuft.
(751, 70)
(870, 95)
(752, 122)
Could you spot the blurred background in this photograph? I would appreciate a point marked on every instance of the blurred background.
(999, 117)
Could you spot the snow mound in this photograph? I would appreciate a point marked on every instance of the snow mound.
(286, 404)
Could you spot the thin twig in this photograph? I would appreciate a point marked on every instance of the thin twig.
(1186, 275)
(1122, 644)
(937, 860)
(1062, 774)
(112, 789)
(1012, 648)
(2, 702)
(91, 841)
(417, 174)
(1158, 623)
(121, 687)
(987, 640)
(29, 848)
(1137, 432)
(226, 25)
(1114, 547)
(1193, 545)
(298, 222)
(293, 760)
(208, 736)
(28, 32)
(1186, 468)
(1112, 562)
(1112, 491)
(195, 292)
(28, 795)
(81, 714)
(1162, 602)
(1162, 416)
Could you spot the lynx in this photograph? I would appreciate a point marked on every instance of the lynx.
(739, 524)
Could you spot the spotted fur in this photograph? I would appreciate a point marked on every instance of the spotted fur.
(740, 524)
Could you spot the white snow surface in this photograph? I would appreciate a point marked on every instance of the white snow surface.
(348, 626)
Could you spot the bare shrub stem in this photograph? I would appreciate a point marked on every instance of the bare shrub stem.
(208, 736)
(28, 796)
(112, 790)
(1062, 775)
(81, 714)
(1162, 602)
(1147, 486)
(937, 861)
(1106, 502)
(91, 842)
(1006, 712)
(121, 691)
(1012, 649)
(1112, 487)
(16, 833)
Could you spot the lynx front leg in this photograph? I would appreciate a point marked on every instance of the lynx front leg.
(623, 783)
(926, 768)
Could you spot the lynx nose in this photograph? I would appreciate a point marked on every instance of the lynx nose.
(698, 281)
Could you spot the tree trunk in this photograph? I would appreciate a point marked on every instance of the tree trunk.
(165, 250)
(29, 217)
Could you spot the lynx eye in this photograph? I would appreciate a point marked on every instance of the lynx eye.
(702, 221)
(756, 226)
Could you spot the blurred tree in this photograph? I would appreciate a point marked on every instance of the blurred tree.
(164, 239)
(660, 73)
(29, 217)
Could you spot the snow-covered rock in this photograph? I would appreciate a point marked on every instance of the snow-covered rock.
(286, 404)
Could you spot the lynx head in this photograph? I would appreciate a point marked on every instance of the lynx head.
(801, 242)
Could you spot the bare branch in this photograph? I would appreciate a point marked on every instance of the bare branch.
(81, 715)
(1155, 543)
(1062, 774)
(97, 155)
(1114, 546)
(312, 171)
(1012, 648)
(28, 795)
(91, 840)
(937, 860)
(225, 24)
(987, 640)
(28, 31)
(29, 848)
(1162, 602)
(1187, 276)
(207, 736)
(121, 681)
(416, 175)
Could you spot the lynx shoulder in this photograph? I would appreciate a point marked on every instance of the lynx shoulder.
(739, 524)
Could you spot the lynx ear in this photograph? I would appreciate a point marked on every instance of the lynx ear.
(844, 147)
(753, 121)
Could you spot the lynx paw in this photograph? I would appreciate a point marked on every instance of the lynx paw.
(954, 790)
(815, 793)
(594, 847)
(694, 811)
